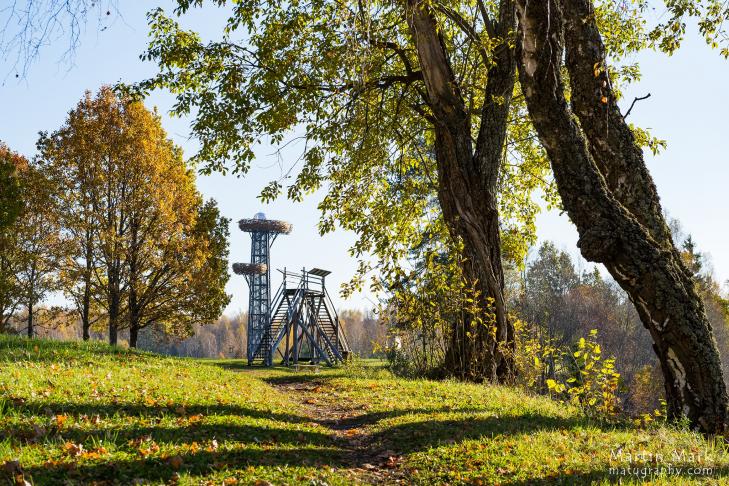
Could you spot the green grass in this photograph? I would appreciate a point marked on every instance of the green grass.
(79, 413)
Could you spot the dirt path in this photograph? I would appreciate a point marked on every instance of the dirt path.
(348, 423)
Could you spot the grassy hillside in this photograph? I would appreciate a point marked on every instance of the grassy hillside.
(85, 413)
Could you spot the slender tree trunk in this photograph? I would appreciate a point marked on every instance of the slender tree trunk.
(133, 335)
(30, 319)
(609, 195)
(133, 316)
(113, 324)
(481, 346)
(31, 299)
(134, 310)
(86, 299)
(114, 307)
(85, 314)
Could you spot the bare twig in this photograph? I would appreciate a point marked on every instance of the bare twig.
(27, 26)
(637, 99)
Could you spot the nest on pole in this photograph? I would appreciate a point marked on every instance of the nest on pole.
(250, 268)
(269, 225)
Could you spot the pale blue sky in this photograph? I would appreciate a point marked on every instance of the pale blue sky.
(688, 107)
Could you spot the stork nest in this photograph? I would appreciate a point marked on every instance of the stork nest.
(270, 225)
(250, 268)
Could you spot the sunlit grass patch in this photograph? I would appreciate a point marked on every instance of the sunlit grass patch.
(85, 412)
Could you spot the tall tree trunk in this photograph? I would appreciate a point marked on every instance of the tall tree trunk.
(113, 322)
(31, 299)
(133, 335)
(114, 307)
(30, 318)
(86, 299)
(609, 195)
(481, 347)
(85, 313)
(134, 317)
(132, 257)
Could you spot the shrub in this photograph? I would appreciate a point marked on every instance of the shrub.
(579, 375)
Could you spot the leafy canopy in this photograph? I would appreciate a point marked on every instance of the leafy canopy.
(340, 81)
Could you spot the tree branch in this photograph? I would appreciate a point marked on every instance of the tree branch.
(637, 98)
(490, 27)
(466, 28)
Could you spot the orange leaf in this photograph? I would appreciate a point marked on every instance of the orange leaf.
(73, 450)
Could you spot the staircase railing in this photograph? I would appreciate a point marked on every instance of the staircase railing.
(341, 337)
(291, 310)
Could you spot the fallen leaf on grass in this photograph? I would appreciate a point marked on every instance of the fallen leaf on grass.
(95, 453)
(145, 449)
(174, 479)
(73, 450)
(20, 480)
(392, 462)
(60, 420)
(139, 440)
(176, 461)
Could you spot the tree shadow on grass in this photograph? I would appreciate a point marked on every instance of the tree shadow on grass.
(184, 433)
(198, 463)
(423, 435)
(136, 409)
(235, 365)
(305, 373)
(314, 378)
